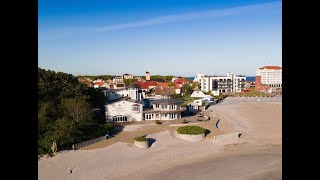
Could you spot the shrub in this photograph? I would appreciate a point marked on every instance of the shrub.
(158, 122)
(192, 130)
(140, 138)
(199, 120)
(184, 121)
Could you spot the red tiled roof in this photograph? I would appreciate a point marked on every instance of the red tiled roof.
(166, 84)
(99, 83)
(271, 67)
(145, 85)
(182, 80)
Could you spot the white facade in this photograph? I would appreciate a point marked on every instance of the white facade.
(163, 112)
(177, 91)
(124, 111)
(133, 93)
(117, 79)
(198, 77)
(198, 94)
(207, 99)
(218, 84)
(270, 75)
(112, 95)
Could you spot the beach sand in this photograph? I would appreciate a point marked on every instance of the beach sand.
(255, 155)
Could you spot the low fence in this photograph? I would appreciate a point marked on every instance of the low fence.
(87, 143)
(226, 137)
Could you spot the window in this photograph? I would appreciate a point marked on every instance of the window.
(135, 108)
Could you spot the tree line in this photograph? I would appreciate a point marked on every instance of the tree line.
(68, 111)
(104, 77)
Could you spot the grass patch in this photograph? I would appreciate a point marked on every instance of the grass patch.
(192, 130)
(140, 138)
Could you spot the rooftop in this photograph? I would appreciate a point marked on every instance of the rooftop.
(166, 101)
(270, 67)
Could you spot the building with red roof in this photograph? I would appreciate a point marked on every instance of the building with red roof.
(270, 76)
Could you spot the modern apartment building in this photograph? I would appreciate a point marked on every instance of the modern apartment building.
(270, 75)
(218, 84)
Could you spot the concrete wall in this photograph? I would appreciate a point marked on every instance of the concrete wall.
(192, 138)
(226, 137)
(141, 144)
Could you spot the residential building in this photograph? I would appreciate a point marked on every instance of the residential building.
(269, 76)
(132, 92)
(86, 81)
(146, 86)
(219, 84)
(197, 93)
(182, 80)
(127, 76)
(200, 104)
(164, 109)
(101, 84)
(176, 87)
(124, 110)
(117, 79)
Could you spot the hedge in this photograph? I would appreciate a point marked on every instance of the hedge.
(140, 138)
(192, 130)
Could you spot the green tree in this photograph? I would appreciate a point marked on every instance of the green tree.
(78, 110)
(186, 89)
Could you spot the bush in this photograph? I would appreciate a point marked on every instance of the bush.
(192, 130)
(140, 138)
(184, 121)
(198, 120)
(158, 122)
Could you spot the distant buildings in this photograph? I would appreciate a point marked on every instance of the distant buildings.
(219, 84)
(268, 77)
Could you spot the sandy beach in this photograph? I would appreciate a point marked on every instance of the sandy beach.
(255, 155)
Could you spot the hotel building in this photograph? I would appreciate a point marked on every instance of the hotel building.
(218, 84)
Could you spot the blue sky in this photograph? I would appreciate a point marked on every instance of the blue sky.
(176, 37)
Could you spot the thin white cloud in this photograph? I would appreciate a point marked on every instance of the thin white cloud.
(190, 16)
(176, 18)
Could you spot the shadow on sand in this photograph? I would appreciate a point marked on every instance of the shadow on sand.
(151, 141)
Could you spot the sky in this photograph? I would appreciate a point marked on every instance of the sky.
(164, 37)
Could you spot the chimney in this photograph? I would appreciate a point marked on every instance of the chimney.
(147, 76)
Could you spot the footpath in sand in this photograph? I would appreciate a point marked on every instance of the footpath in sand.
(256, 155)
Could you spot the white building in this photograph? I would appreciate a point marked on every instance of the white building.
(218, 84)
(127, 76)
(124, 110)
(198, 77)
(164, 109)
(270, 75)
(200, 104)
(133, 92)
(117, 79)
(198, 93)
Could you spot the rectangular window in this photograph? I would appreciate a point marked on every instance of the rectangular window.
(135, 108)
